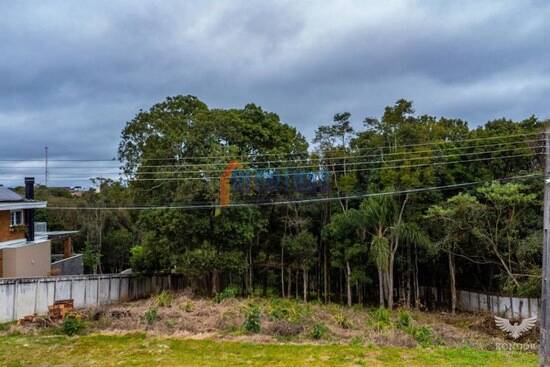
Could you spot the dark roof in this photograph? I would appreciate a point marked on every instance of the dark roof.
(6, 195)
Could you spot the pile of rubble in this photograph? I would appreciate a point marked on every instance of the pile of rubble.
(56, 312)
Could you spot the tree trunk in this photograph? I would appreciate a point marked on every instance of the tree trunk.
(251, 286)
(453, 282)
(215, 278)
(297, 283)
(289, 289)
(381, 287)
(416, 285)
(348, 282)
(282, 271)
(325, 273)
(390, 282)
(305, 284)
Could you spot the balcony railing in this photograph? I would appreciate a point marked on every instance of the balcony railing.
(40, 227)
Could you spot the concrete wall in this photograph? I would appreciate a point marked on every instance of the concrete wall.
(482, 302)
(26, 296)
(27, 261)
(70, 266)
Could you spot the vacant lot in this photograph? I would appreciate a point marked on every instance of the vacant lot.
(139, 350)
(180, 330)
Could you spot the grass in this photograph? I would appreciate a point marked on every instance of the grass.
(138, 350)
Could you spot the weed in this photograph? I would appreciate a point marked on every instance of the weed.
(151, 315)
(72, 324)
(252, 322)
(170, 324)
(163, 299)
(404, 319)
(343, 321)
(380, 319)
(319, 331)
(188, 306)
(284, 309)
(227, 293)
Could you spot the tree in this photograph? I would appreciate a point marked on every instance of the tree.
(504, 206)
(346, 231)
(303, 247)
(457, 218)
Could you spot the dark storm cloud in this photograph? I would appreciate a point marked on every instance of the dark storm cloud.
(72, 73)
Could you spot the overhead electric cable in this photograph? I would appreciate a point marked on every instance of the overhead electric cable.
(301, 201)
(268, 175)
(278, 154)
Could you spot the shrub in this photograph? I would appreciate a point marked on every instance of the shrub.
(404, 319)
(151, 316)
(343, 320)
(188, 306)
(284, 309)
(227, 293)
(163, 299)
(252, 321)
(423, 335)
(380, 318)
(72, 324)
(319, 331)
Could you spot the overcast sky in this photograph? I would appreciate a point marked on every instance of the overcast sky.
(72, 72)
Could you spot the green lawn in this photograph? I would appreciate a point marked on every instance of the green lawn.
(138, 350)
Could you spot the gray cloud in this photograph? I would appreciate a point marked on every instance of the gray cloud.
(73, 73)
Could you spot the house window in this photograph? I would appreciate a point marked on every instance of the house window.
(16, 218)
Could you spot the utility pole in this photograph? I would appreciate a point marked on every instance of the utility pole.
(545, 306)
(46, 166)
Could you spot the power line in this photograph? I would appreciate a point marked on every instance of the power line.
(321, 161)
(210, 178)
(280, 154)
(302, 201)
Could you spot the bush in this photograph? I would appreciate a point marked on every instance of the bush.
(284, 309)
(423, 335)
(227, 293)
(252, 321)
(151, 315)
(163, 299)
(188, 306)
(404, 319)
(319, 331)
(380, 318)
(343, 320)
(72, 324)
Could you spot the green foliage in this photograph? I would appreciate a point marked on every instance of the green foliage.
(91, 257)
(252, 322)
(288, 310)
(151, 316)
(72, 324)
(163, 299)
(379, 318)
(404, 319)
(187, 306)
(227, 293)
(423, 335)
(319, 331)
(343, 321)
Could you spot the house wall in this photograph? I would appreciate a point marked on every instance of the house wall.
(27, 261)
(5, 232)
